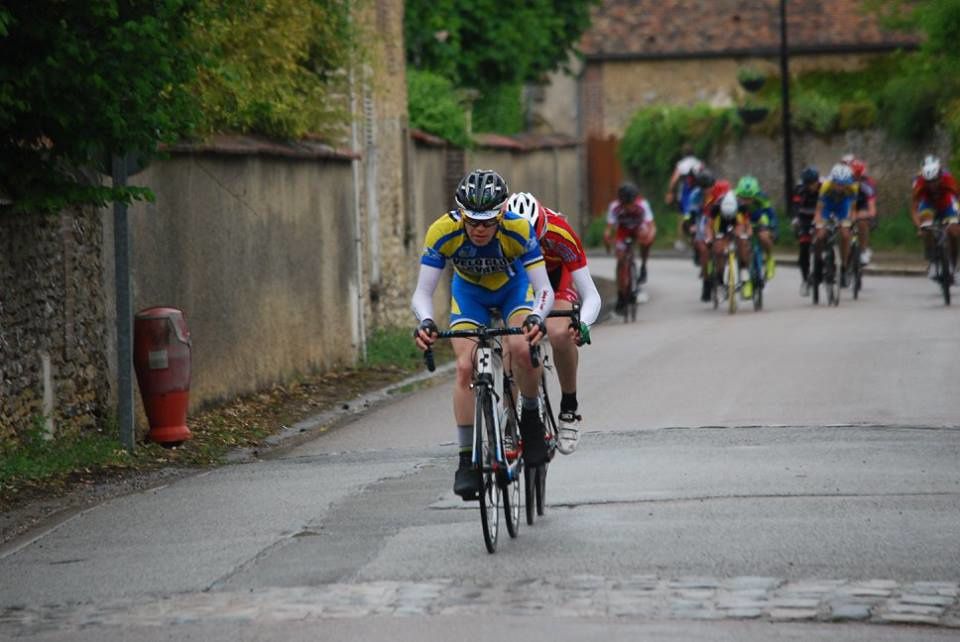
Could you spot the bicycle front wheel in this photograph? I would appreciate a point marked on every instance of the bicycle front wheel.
(509, 477)
(489, 489)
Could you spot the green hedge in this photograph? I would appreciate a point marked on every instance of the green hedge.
(434, 107)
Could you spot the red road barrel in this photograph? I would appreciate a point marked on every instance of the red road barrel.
(161, 358)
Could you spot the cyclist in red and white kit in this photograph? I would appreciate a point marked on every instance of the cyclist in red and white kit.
(570, 277)
(630, 216)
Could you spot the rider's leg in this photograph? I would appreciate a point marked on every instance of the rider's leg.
(528, 381)
(863, 232)
(804, 260)
(466, 482)
(766, 242)
(566, 357)
(845, 235)
(746, 257)
(645, 238)
(565, 353)
(719, 256)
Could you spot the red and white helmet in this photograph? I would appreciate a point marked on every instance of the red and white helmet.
(526, 205)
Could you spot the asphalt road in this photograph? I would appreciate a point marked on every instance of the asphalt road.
(789, 474)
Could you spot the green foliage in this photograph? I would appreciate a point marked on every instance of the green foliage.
(909, 107)
(815, 113)
(500, 110)
(434, 108)
(748, 74)
(593, 236)
(485, 43)
(274, 67)
(655, 137)
(857, 114)
(80, 79)
(494, 46)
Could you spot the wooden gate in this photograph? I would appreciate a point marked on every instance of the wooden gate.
(604, 173)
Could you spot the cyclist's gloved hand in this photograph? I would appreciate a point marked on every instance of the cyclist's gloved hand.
(584, 334)
(534, 328)
(425, 333)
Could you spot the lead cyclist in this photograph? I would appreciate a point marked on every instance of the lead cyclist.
(497, 263)
(566, 264)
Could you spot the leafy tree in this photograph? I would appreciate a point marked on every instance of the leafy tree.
(480, 43)
(493, 46)
(434, 107)
(80, 79)
(925, 93)
(274, 67)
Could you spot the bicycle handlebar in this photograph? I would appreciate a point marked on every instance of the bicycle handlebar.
(477, 333)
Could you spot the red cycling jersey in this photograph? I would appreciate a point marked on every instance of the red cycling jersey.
(941, 196)
(563, 253)
(631, 216)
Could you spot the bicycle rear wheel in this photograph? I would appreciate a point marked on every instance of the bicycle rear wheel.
(489, 489)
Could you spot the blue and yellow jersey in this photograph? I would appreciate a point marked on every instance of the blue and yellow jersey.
(830, 193)
(490, 266)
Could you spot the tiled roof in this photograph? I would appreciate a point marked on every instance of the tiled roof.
(693, 28)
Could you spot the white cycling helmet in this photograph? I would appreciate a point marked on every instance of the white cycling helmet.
(526, 205)
(931, 168)
(841, 174)
(729, 205)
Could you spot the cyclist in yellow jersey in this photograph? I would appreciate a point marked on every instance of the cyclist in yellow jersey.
(497, 263)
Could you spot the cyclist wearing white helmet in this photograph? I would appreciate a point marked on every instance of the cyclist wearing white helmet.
(838, 193)
(570, 277)
(935, 195)
(731, 221)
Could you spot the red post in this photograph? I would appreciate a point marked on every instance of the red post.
(161, 357)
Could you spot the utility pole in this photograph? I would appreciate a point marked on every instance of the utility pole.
(785, 110)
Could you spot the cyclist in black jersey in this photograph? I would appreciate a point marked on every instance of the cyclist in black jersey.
(803, 205)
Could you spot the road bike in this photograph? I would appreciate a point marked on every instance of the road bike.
(941, 259)
(627, 281)
(725, 284)
(497, 447)
(535, 477)
(825, 263)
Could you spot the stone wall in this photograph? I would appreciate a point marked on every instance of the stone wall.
(259, 251)
(52, 318)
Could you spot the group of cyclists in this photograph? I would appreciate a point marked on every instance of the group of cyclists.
(512, 254)
(714, 213)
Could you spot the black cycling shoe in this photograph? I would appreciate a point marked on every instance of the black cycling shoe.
(466, 482)
(534, 444)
